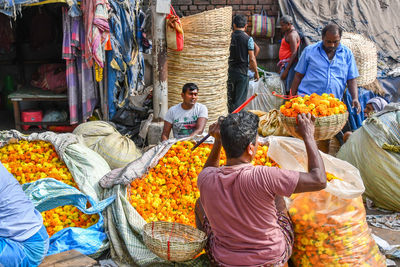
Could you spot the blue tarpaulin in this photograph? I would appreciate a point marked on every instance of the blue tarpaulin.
(48, 194)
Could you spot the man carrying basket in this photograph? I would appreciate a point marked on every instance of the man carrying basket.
(326, 67)
(241, 207)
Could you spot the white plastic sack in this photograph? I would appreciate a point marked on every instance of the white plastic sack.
(117, 150)
(264, 87)
(93, 131)
(290, 153)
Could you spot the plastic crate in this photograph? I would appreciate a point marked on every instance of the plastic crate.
(31, 116)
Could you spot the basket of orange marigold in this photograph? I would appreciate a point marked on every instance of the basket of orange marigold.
(330, 114)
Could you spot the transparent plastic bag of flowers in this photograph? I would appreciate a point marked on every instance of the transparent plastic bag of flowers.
(330, 227)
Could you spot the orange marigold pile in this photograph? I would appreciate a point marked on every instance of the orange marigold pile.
(168, 192)
(330, 231)
(31, 161)
(67, 216)
(318, 105)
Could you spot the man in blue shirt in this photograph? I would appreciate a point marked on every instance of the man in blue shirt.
(23, 238)
(326, 67)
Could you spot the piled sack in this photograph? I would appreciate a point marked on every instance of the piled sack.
(270, 123)
(116, 149)
(330, 226)
(93, 131)
(367, 150)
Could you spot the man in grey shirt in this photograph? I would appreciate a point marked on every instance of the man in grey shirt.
(187, 118)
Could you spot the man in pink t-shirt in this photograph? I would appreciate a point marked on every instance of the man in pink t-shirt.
(241, 206)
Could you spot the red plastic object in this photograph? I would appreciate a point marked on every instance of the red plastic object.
(31, 116)
(62, 129)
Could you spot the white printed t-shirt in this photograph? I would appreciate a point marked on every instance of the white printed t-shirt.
(184, 121)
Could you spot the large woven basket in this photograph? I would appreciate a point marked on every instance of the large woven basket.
(173, 241)
(325, 127)
(365, 54)
(203, 60)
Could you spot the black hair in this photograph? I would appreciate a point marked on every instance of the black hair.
(332, 28)
(286, 19)
(240, 21)
(238, 130)
(190, 87)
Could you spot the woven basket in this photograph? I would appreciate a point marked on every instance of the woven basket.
(365, 54)
(325, 127)
(173, 241)
(203, 60)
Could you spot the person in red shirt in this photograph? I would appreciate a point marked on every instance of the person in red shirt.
(241, 206)
(288, 51)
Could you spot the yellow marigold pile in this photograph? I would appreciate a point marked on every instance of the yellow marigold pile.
(31, 161)
(67, 216)
(318, 105)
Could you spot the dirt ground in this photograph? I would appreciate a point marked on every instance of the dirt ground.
(392, 237)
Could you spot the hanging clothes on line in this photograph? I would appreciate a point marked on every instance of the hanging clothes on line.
(95, 14)
(82, 95)
(125, 62)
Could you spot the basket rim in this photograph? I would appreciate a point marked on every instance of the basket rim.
(148, 226)
(317, 118)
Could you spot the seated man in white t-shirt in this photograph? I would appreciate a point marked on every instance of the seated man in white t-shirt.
(187, 118)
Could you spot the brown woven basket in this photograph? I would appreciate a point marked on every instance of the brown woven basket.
(203, 60)
(365, 54)
(325, 127)
(173, 241)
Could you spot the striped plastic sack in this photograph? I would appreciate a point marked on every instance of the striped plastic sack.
(262, 25)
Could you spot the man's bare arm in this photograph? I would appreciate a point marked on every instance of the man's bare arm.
(352, 85)
(166, 131)
(253, 64)
(200, 125)
(256, 49)
(293, 48)
(214, 156)
(315, 178)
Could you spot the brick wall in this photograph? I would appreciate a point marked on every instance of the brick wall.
(245, 7)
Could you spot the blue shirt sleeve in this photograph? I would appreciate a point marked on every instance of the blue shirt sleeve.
(353, 71)
(301, 66)
(250, 44)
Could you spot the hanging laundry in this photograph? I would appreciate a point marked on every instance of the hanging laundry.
(95, 15)
(82, 96)
(125, 68)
